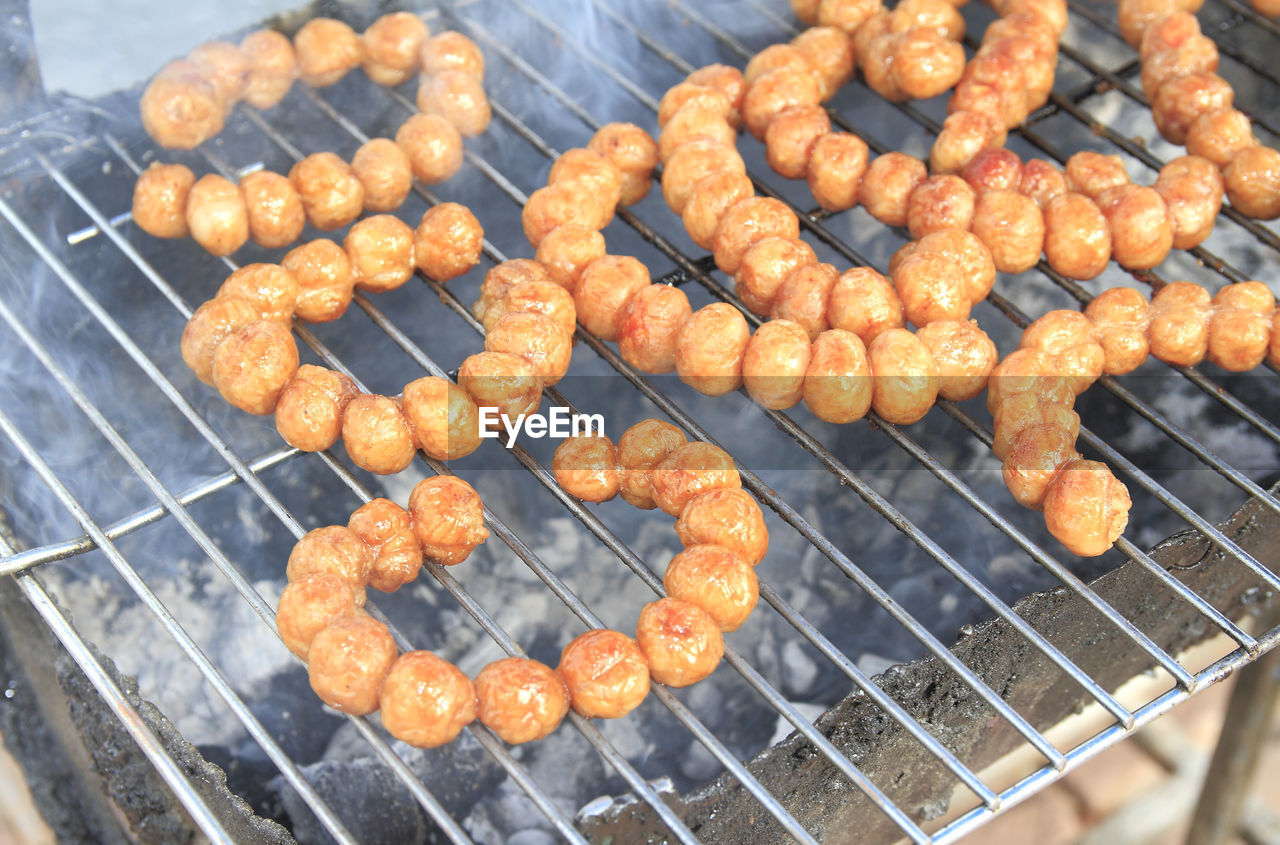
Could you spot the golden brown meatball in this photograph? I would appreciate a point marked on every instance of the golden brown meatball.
(687, 472)
(325, 281)
(389, 47)
(385, 528)
(966, 252)
(222, 63)
(1042, 181)
(1134, 16)
(1034, 459)
(275, 212)
(829, 52)
(930, 288)
(309, 412)
(790, 137)
(1179, 326)
(1024, 25)
(458, 97)
(995, 169)
(160, 200)
(216, 215)
(1181, 100)
(1011, 226)
(765, 266)
(1028, 371)
(712, 196)
(377, 435)
(1219, 135)
(775, 362)
(640, 448)
(1240, 327)
(774, 92)
(269, 288)
(965, 357)
(1196, 54)
(1192, 190)
(877, 65)
(331, 193)
(272, 67)
(326, 50)
(728, 81)
(863, 302)
(1077, 239)
(905, 376)
(448, 241)
(838, 385)
(925, 63)
(602, 176)
(426, 701)
(384, 172)
(332, 550)
(180, 108)
(1140, 223)
(212, 323)
(1053, 13)
(964, 134)
(534, 296)
(691, 122)
(635, 154)
(691, 95)
(448, 518)
(500, 384)
(1037, 65)
(836, 166)
(803, 298)
(747, 222)
(1253, 183)
(253, 364)
(561, 204)
(349, 661)
(1067, 337)
(451, 51)
(847, 15)
(649, 326)
(887, 186)
(381, 252)
(1091, 173)
(535, 338)
(1087, 508)
(938, 15)
(444, 419)
(308, 606)
(1119, 316)
(433, 145)
(586, 466)
(709, 349)
(1168, 33)
(773, 57)
(605, 287)
(716, 580)
(500, 279)
(940, 203)
(521, 700)
(729, 519)
(692, 162)
(995, 83)
(566, 251)
(680, 640)
(1024, 410)
(606, 673)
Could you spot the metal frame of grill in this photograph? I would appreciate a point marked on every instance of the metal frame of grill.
(43, 152)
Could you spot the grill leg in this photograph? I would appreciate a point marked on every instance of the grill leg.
(1230, 771)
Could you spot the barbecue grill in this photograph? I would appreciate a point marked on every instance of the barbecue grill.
(148, 523)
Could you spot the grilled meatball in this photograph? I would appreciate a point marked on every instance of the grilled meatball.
(926, 63)
(586, 466)
(887, 186)
(965, 357)
(694, 121)
(641, 447)
(877, 65)
(606, 673)
(1077, 238)
(774, 364)
(308, 606)
(212, 323)
(216, 215)
(275, 212)
(535, 296)
(451, 51)
(836, 166)
(600, 174)
(1180, 101)
(765, 266)
(349, 661)
(1179, 327)
(829, 52)
(727, 518)
(448, 241)
(774, 92)
(331, 193)
(326, 50)
(995, 169)
(1141, 226)
(160, 200)
(1220, 135)
(448, 518)
(1025, 24)
(389, 47)
(709, 349)
(863, 302)
(253, 364)
(1028, 371)
(458, 97)
(566, 251)
(1134, 16)
(687, 472)
(680, 640)
(384, 172)
(606, 285)
(691, 95)
(1196, 54)
(433, 145)
(1192, 190)
(938, 15)
(728, 81)
(930, 288)
(803, 298)
(905, 376)
(772, 58)
(309, 412)
(790, 138)
(272, 67)
(520, 700)
(748, 221)
(426, 701)
(377, 435)
(716, 580)
(1024, 410)
(503, 382)
(1253, 183)
(180, 108)
(634, 153)
(712, 196)
(940, 203)
(381, 252)
(500, 279)
(969, 254)
(444, 419)
(847, 15)
(1042, 181)
(649, 326)
(1011, 226)
(1119, 317)
(964, 134)
(1034, 459)
(325, 281)
(537, 339)
(1168, 33)
(269, 288)
(1087, 508)
(557, 205)
(222, 63)
(838, 385)
(1067, 338)
(691, 163)
(1091, 173)
(385, 528)
(1240, 327)
(994, 83)
(332, 550)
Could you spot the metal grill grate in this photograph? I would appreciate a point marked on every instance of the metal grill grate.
(645, 28)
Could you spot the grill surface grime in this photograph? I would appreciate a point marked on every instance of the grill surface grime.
(92, 311)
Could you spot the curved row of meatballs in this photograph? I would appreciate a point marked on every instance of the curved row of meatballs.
(186, 103)
(1193, 106)
(321, 189)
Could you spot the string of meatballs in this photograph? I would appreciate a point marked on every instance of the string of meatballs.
(322, 189)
